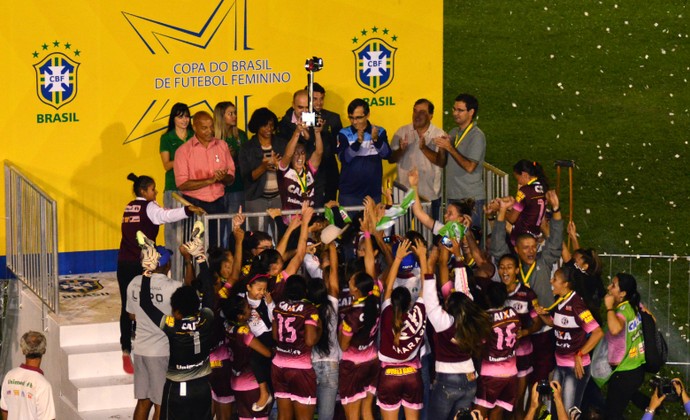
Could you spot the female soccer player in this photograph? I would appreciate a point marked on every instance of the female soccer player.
(326, 353)
(572, 322)
(296, 174)
(403, 325)
(522, 299)
(296, 328)
(144, 214)
(242, 343)
(460, 327)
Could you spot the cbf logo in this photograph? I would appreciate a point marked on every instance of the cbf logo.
(57, 79)
(375, 62)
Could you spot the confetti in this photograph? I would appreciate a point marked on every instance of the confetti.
(587, 211)
(514, 105)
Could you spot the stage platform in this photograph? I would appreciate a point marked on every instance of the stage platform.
(83, 361)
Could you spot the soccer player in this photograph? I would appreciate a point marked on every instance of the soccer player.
(187, 392)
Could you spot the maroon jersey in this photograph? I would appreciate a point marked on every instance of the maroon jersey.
(572, 321)
(522, 300)
(291, 319)
(296, 187)
(411, 337)
(135, 218)
(531, 203)
(499, 352)
(362, 346)
(238, 338)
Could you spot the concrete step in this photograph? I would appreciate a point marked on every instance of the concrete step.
(93, 360)
(87, 334)
(105, 393)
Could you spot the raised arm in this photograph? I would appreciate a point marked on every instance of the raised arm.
(315, 159)
(238, 233)
(292, 144)
(333, 285)
(499, 246)
(554, 243)
(295, 222)
(417, 210)
(403, 250)
(296, 261)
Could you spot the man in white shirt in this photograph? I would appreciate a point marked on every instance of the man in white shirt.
(413, 146)
(26, 393)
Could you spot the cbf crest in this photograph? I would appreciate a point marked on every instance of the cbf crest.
(375, 59)
(57, 75)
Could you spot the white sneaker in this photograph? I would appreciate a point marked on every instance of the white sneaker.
(149, 255)
(198, 230)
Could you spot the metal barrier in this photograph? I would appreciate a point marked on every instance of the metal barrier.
(32, 251)
(496, 185)
(664, 284)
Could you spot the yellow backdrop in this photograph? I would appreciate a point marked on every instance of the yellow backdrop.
(89, 85)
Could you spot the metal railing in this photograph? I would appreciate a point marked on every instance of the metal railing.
(496, 183)
(31, 228)
(664, 285)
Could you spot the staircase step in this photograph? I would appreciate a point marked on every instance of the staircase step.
(105, 393)
(115, 414)
(93, 360)
(86, 334)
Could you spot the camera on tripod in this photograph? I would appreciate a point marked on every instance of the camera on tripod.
(312, 65)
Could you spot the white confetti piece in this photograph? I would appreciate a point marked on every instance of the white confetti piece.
(514, 105)
(599, 174)
(587, 211)
(586, 13)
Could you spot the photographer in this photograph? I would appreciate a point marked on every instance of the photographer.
(658, 396)
(546, 390)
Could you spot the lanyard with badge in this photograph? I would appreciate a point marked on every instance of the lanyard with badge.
(459, 139)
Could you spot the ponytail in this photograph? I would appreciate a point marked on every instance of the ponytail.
(365, 283)
(628, 284)
(401, 300)
(534, 169)
(141, 183)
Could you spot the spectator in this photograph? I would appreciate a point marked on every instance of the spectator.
(203, 167)
(413, 147)
(26, 393)
(466, 146)
(225, 128)
(535, 402)
(178, 132)
(361, 149)
(625, 343)
(658, 398)
(259, 159)
(326, 187)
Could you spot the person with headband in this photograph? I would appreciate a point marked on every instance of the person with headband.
(26, 393)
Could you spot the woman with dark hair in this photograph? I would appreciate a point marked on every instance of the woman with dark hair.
(259, 159)
(529, 208)
(296, 329)
(243, 344)
(461, 326)
(359, 367)
(403, 325)
(326, 353)
(225, 127)
(577, 333)
(625, 343)
(178, 132)
(144, 214)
